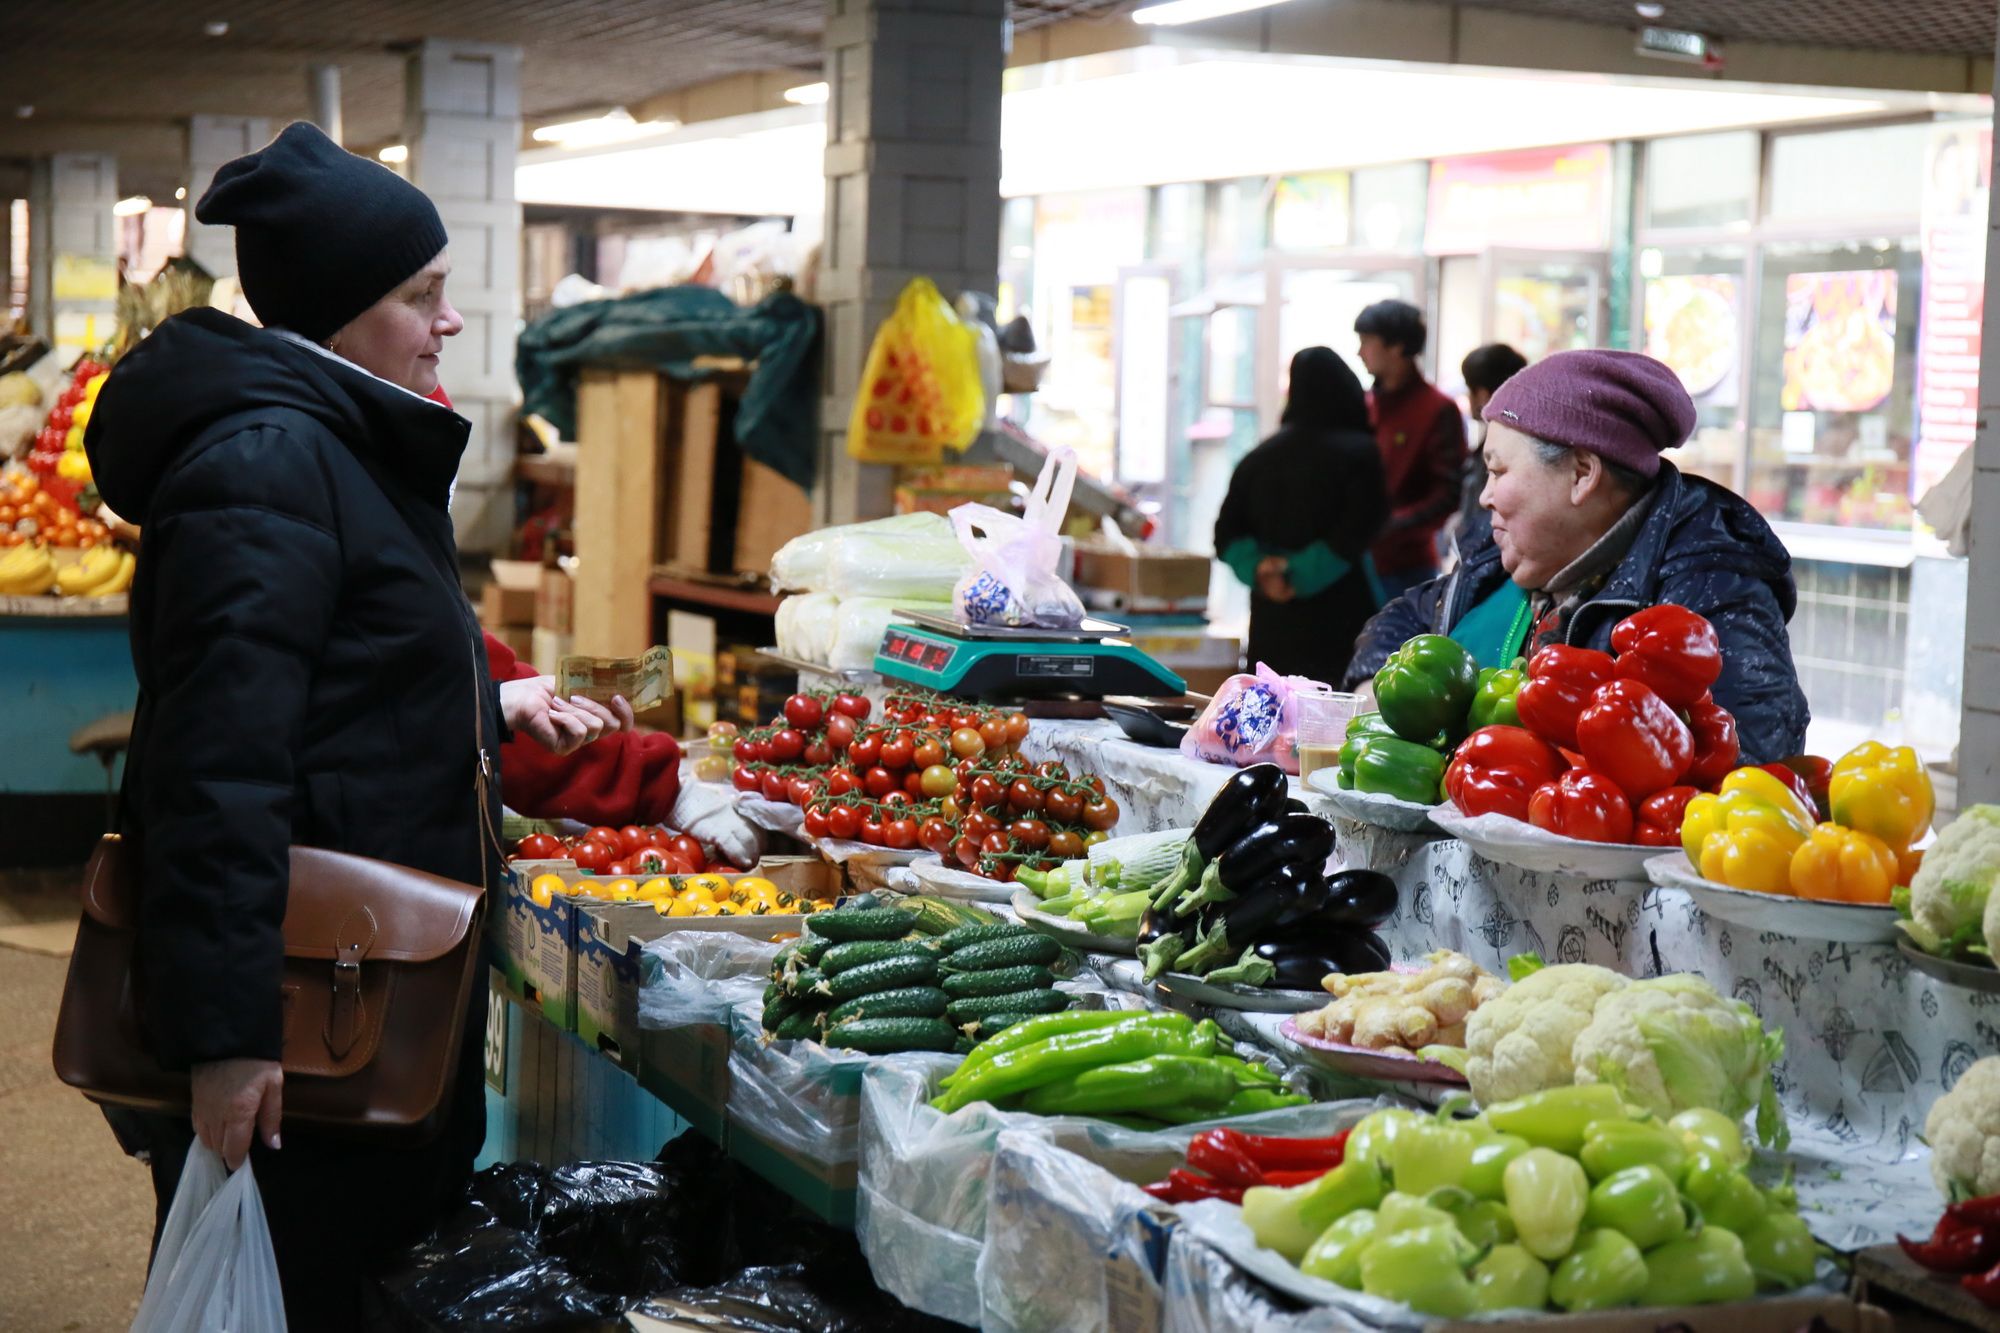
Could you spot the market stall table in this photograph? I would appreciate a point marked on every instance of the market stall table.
(64, 663)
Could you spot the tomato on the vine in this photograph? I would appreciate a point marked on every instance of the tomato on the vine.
(928, 753)
(802, 790)
(1053, 769)
(818, 825)
(879, 782)
(900, 834)
(776, 786)
(865, 751)
(966, 852)
(591, 855)
(746, 751)
(839, 731)
(1017, 727)
(1095, 836)
(1062, 805)
(631, 838)
(898, 751)
(851, 705)
(913, 781)
(1002, 872)
(619, 870)
(967, 743)
(803, 711)
(896, 799)
(1100, 814)
(978, 824)
(1095, 783)
(1065, 846)
(745, 779)
(993, 731)
(843, 821)
(1032, 834)
(539, 847)
(938, 782)
(873, 830)
(608, 836)
(840, 781)
(987, 793)
(818, 753)
(787, 745)
(1023, 798)
(997, 842)
(936, 835)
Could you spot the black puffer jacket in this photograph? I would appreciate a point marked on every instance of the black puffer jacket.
(309, 669)
(1703, 547)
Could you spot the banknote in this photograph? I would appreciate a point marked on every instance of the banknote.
(645, 680)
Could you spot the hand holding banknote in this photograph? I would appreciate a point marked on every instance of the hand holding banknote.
(644, 681)
(560, 723)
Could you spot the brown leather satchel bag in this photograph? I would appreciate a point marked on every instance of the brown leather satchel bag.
(380, 961)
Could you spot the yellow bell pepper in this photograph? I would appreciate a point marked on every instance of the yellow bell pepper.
(1882, 791)
(1843, 865)
(1751, 857)
(1749, 798)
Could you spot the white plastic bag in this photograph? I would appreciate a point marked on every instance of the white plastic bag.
(214, 1272)
(1014, 579)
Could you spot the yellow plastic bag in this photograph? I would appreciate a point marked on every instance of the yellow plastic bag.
(920, 391)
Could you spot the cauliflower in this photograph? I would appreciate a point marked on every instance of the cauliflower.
(1950, 891)
(1963, 1129)
(1672, 1043)
(1520, 1042)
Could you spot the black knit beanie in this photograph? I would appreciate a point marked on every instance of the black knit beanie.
(321, 234)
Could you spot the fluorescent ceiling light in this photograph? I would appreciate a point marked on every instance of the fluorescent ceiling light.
(611, 127)
(394, 153)
(808, 94)
(1175, 12)
(131, 206)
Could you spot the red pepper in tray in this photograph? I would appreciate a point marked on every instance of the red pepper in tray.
(1715, 746)
(1496, 769)
(1657, 821)
(1630, 735)
(1582, 804)
(1560, 682)
(1671, 650)
(1184, 1186)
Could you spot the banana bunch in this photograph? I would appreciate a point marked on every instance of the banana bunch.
(26, 571)
(102, 571)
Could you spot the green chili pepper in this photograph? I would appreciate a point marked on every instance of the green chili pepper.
(1706, 1268)
(1484, 1222)
(1604, 1271)
(1558, 1117)
(1426, 686)
(1249, 1101)
(1170, 1080)
(1639, 1201)
(1483, 1176)
(1781, 1251)
(1249, 1073)
(1509, 1278)
(1375, 1134)
(1336, 1255)
(1783, 1197)
(1392, 766)
(1701, 1128)
(1049, 1025)
(1493, 701)
(1724, 1194)
(1430, 1154)
(1045, 1061)
(1547, 1194)
(1610, 1146)
(1290, 1220)
(1424, 1268)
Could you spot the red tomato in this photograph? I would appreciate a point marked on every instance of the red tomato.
(619, 870)
(608, 836)
(879, 782)
(818, 825)
(993, 732)
(900, 834)
(1052, 768)
(776, 786)
(873, 831)
(853, 705)
(1065, 846)
(746, 751)
(1023, 799)
(680, 865)
(688, 849)
(839, 731)
(1017, 728)
(966, 852)
(592, 855)
(803, 789)
(935, 835)
(803, 711)
(896, 798)
(818, 753)
(650, 861)
(928, 753)
(787, 746)
(987, 793)
(898, 751)
(539, 847)
(1032, 834)
(745, 779)
(840, 781)
(865, 751)
(632, 837)
(1062, 805)
(1100, 814)
(913, 782)
(843, 821)
(997, 842)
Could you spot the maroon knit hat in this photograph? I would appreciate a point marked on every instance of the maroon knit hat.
(1623, 406)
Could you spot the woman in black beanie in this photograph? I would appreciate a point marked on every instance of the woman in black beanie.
(309, 670)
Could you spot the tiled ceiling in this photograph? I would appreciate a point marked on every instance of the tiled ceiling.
(1948, 27)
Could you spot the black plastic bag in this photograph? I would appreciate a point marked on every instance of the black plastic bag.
(478, 1272)
(633, 1227)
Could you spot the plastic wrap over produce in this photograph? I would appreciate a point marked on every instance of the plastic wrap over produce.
(697, 977)
(860, 624)
(805, 626)
(907, 556)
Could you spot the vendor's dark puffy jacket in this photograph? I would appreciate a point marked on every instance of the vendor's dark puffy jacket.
(309, 670)
(1703, 547)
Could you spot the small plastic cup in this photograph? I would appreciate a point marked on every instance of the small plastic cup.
(1323, 720)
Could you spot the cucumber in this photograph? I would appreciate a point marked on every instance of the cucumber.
(1015, 951)
(970, 935)
(782, 963)
(803, 1023)
(873, 923)
(993, 1024)
(810, 949)
(997, 981)
(1014, 1002)
(939, 916)
(772, 992)
(855, 953)
(889, 974)
(903, 1002)
(778, 1010)
(803, 981)
(963, 1046)
(883, 1036)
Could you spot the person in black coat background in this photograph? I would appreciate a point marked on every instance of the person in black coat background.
(309, 671)
(1302, 509)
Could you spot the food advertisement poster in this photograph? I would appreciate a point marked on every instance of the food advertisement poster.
(1957, 178)
(1310, 212)
(1540, 198)
(1692, 324)
(1840, 340)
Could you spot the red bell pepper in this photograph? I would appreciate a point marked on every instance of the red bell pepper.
(1630, 735)
(1582, 804)
(1496, 769)
(1657, 822)
(1669, 649)
(1184, 1186)
(1818, 775)
(1560, 681)
(1715, 747)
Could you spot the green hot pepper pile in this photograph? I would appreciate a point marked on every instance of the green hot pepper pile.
(866, 979)
(1567, 1198)
(1141, 1068)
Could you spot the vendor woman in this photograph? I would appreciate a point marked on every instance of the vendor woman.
(1590, 524)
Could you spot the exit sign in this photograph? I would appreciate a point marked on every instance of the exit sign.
(1679, 44)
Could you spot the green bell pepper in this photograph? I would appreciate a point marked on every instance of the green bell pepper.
(1432, 1154)
(1484, 1222)
(1374, 1135)
(1639, 1201)
(1781, 1251)
(1604, 1271)
(1368, 724)
(1489, 1164)
(1493, 701)
(1290, 1220)
(1392, 767)
(1610, 1146)
(1726, 1196)
(1399, 1211)
(1426, 686)
(1424, 1268)
(1336, 1255)
(1557, 1118)
(1547, 1194)
(1706, 1268)
(1509, 1278)
(1701, 1128)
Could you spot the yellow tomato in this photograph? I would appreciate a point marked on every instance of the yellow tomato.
(623, 891)
(697, 893)
(705, 908)
(589, 888)
(544, 888)
(730, 909)
(656, 888)
(717, 886)
(674, 907)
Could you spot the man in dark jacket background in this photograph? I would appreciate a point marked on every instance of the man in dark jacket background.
(1422, 441)
(1590, 524)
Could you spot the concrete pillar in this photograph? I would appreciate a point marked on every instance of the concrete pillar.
(73, 250)
(1979, 716)
(212, 141)
(463, 126)
(323, 99)
(912, 189)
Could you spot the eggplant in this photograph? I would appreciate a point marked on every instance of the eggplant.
(1287, 840)
(1295, 891)
(1163, 938)
(1304, 958)
(1250, 797)
(1359, 898)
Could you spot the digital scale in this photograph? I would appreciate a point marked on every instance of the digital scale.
(995, 662)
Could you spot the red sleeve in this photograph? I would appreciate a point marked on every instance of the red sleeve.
(624, 779)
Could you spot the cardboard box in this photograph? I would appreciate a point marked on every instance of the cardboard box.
(1768, 1314)
(688, 1069)
(509, 600)
(939, 490)
(520, 640)
(1142, 580)
(537, 945)
(555, 601)
(550, 649)
(771, 509)
(826, 1189)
